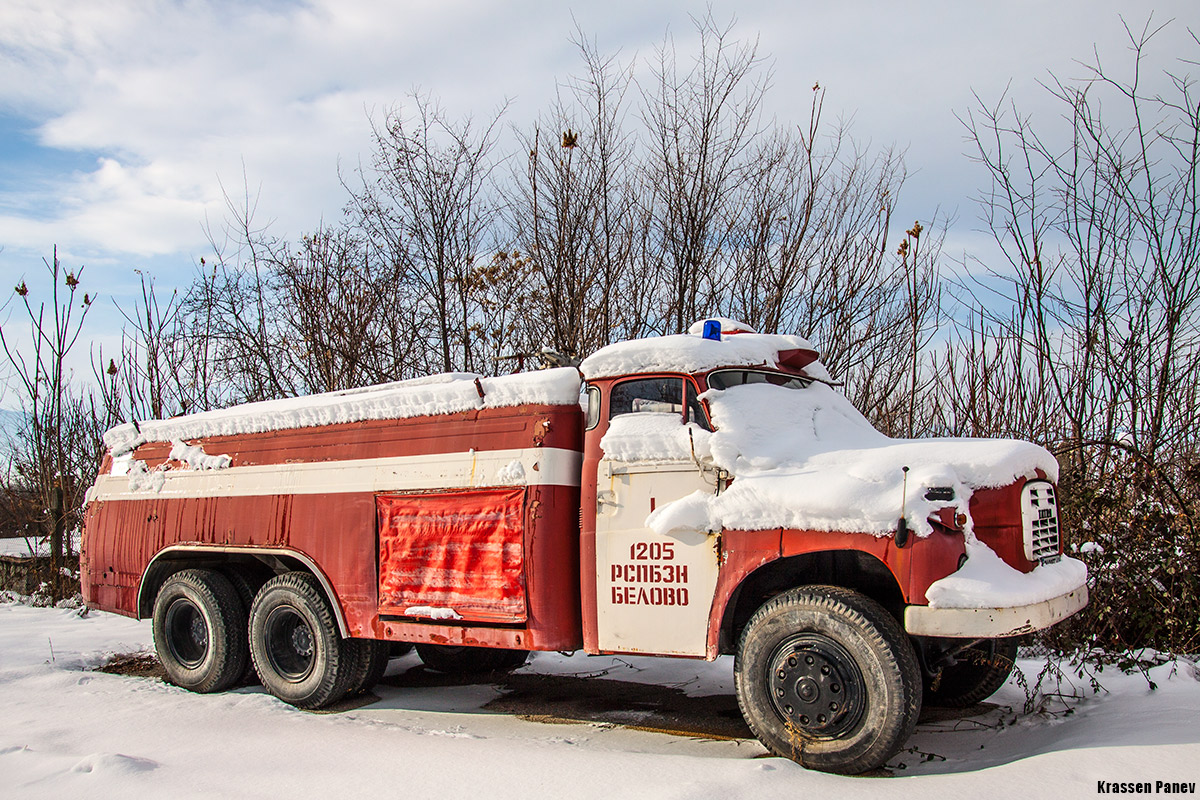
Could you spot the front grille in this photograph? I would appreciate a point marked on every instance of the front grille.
(1039, 512)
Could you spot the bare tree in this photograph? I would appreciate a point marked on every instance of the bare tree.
(58, 449)
(348, 324)
(426, 204)
(572, 211)
(810, 254)
(233, 304)
(701, 126)
(1101, 238)
(161, 368)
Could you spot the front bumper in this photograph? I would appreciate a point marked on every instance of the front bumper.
(993, 623)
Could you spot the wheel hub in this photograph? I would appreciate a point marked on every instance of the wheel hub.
(302, 641)
(290, 644)
(816, 686)
(186, 632)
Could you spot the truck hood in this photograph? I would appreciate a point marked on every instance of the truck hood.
(808, 460)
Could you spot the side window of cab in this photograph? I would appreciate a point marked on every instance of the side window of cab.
(662, 395)
(655, 395)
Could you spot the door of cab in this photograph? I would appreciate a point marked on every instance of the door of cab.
(653, 592)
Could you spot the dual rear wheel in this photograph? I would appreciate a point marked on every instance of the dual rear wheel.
(209, 632)
(200, 631)
(295, 644)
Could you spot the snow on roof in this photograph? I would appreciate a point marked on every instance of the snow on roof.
(426, 396)
(690, 352)
(806, 459)
(727, 326)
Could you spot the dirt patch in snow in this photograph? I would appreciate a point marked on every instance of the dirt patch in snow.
(566, 699)
(137, 665)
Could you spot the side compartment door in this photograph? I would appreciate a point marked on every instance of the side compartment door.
(654, 592)
(454, 555)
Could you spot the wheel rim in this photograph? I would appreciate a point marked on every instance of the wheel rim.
(187, 633)
(290, 644)
(816, 686)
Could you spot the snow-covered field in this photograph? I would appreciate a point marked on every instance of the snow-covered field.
(22, 547)
(68, 730)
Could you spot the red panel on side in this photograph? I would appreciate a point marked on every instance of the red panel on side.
(462, 551)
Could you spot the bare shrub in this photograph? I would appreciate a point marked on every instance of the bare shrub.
(1097, 352)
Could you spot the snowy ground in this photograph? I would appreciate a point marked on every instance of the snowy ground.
(22, 547)
(68, 730)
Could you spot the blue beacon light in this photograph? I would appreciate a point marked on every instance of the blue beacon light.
(712, 330)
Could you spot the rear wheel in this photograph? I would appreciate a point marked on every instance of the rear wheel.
(979, 672)
(826, 677)
(200, 631)
(245, 588)
(372, 662)
(294, 642)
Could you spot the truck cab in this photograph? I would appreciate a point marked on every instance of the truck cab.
(829, 543)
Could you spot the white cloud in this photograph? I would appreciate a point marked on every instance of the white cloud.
(177, 97)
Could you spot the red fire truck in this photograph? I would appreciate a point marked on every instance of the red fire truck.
(615, 508)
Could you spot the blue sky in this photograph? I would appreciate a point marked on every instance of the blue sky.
(121, 122)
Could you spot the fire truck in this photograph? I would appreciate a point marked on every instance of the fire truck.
(695, 495)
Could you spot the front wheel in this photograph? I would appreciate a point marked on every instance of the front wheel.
(295, 644)
(826, 677)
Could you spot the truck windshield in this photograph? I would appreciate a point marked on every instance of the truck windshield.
(725, 378)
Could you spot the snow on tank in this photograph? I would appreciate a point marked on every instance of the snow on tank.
(419, 397)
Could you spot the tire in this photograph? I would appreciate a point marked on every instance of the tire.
(294, 642)
(371, 662)
(826, 677)
(242, 586)
(508, 660)
(464, 660)
(200, 631)
(245, 589)
(979, 673)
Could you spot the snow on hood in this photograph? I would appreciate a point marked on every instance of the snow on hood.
(427, 396)
(806, 459)
(688, 352)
